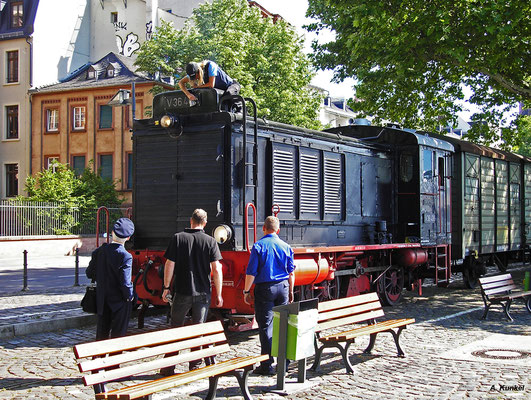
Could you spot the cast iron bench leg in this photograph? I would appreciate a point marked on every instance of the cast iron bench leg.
(506, 307)
(486, 312)
(396, 337)
(344, 354)
(317, 359)
(212, 386)
(372, 341)
(242, 377)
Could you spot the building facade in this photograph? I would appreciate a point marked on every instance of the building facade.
(73, 124)
(45, 41)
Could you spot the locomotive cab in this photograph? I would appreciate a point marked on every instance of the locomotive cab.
(423, 180)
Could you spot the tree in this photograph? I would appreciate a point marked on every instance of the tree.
(266, 58)
(523, 125)
(60, 184)
(413, 59)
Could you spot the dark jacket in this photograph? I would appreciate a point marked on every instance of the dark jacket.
(111, 267)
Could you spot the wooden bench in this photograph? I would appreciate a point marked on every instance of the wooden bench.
(124, 357)
(500, 289)
(356, 309)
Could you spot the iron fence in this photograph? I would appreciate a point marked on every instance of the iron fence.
(24, 218)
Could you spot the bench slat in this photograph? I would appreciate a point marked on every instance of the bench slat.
(349, 320)
(497, 284)
(147, 388)
(342, 312)
(347, 301)
(105, 362)
(126, 371)
(514, 295)
(501, 289)
(145, 339)
(368, 329)
(488, 279)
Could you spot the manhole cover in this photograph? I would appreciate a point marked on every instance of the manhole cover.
(502, 354)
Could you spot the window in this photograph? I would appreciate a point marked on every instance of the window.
(11, 180)
(12, 66)
(79, 118)
(129, 181)
(91, 72)
(105, 167)
(52, 120)
(105, 117)
(17, 14)
(114, 17)
(49, 162)
(12, 122)
(110, 72)
(78, 164)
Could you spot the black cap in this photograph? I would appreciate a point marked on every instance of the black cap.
(124, 228)
(191, 69)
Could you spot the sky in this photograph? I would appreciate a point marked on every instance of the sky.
(294, 12)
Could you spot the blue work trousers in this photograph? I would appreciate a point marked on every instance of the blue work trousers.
(266, 296)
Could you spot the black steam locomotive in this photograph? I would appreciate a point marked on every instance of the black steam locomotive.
(364, 207)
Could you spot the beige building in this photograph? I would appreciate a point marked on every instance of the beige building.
(73, 124)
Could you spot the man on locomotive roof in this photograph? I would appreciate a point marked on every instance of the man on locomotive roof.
(270, 268)
(191, 257)
(208, 74)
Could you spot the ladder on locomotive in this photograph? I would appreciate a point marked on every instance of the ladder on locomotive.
(442, 260)
(251, 164)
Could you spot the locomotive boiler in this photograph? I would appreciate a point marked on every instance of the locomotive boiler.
(365, 208)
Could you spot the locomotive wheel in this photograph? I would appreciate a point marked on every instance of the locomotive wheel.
(329, 291)
(470, 277)
(303, 292)
(390, 286)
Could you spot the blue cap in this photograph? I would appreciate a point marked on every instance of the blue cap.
(124, 228)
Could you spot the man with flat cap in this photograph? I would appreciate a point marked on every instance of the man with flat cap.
(111, 268)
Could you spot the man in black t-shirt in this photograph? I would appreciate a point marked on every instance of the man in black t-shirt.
(190, 258)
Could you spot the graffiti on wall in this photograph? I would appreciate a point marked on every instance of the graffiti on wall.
(129, 45)
(149, 30)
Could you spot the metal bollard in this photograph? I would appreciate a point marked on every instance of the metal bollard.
(526, 281)
(76, 277)
(25, 288)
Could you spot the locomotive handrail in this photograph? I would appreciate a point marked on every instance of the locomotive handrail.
(246, 225)
(98, 224)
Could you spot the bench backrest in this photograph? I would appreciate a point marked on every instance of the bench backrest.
(130, 355)
(334, 313)
(498, 284)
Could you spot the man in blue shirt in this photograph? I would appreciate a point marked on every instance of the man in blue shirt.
(271, 269)
(208, 74)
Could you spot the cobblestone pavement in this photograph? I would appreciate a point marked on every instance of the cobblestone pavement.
(41, 366)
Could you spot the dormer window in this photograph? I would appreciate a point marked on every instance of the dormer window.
(91, 73)
(113, 69)
(17, 14)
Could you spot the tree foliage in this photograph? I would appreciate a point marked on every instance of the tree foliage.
(413, 59)
(266, 58)
(60, 184)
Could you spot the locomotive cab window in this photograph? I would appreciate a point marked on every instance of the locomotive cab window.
(427, 165)
(441, 171)
(406, 167)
